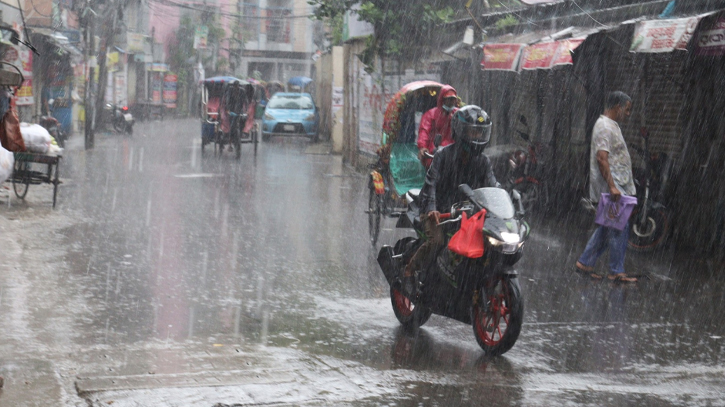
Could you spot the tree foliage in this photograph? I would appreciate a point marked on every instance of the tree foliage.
(403, 28)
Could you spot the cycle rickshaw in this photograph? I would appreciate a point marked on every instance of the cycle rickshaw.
(398, 169)
(227, 114)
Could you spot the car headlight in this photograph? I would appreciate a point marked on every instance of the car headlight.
(310, 118)
(268, 116)
(510, 244)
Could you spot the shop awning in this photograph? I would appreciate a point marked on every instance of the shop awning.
(535, 50)
(665, 35)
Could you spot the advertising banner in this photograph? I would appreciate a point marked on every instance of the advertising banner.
(712, 41)
(539, 56)
(135, 43)
(169, 94)
(200, 36)
(24, 95)
(663, 35)
(563, 55)
(501, 57)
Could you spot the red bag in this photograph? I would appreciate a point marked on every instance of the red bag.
(468, 241)
(10, 136)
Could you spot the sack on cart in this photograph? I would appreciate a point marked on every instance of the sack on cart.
(36, 138)
(7, 161)
(10, 136)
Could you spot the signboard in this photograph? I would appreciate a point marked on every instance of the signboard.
(712, 41)
(24, 95)
(539, 56)
(21, 58)
(200, 36)
(135, 43)
(169, 94)
(501, 57)
(563, 55)
(663, 35)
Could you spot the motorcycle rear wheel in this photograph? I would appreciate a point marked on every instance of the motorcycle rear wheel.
(119, 126)
(650, 235)
(409, 315)
(498, 316)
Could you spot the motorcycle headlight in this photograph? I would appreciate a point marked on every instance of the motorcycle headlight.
(510, 244)
(310, 118)
(268, 116)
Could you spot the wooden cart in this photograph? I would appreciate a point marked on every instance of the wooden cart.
(24, 175)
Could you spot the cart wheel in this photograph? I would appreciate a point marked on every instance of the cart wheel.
(56, 182)
(21, 179)
(375, 203)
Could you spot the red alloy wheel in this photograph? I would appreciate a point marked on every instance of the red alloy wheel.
(491, 326)
(403, 304)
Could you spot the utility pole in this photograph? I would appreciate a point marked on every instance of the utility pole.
(89, 55)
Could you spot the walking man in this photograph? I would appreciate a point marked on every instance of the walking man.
(610, 171)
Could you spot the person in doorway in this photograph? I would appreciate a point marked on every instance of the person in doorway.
(610, 171)
(463, 162)
(437, 121)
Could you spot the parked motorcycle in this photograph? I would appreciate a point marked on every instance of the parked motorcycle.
(484, 291)
(53, 126)
(650, 220)
(524, 173)
(121, 119)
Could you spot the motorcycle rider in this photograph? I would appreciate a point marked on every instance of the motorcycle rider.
(437, 121)
(463, 162)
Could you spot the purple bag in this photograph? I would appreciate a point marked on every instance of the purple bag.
(612, 214)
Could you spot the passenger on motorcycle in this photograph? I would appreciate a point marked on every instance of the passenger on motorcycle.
(461, 163)
(437, 121)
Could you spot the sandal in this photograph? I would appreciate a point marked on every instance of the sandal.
(587, 271)
(621, 278)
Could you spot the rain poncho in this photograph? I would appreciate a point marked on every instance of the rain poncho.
(436, 121)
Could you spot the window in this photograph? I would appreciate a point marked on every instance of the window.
(250, 21)
(287, 101)
(279, 24)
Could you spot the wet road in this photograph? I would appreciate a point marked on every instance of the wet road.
(166, 277)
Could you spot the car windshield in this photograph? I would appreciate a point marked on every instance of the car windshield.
(496, 201)
(290, 102)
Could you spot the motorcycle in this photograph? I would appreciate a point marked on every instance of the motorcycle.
(483, 292)
(53, 126)
(121, 119)
(524, 173)
(650, 219)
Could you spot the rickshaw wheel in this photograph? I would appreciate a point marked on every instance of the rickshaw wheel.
(374, 214)
(238, 145)
(255, 137)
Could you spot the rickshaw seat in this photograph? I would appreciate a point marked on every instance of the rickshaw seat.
(405, 168)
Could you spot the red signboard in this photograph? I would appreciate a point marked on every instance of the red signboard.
(501, 57)
(539, 56)
(563, 55)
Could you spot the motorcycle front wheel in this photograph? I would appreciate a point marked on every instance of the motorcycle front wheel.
(647, 234)
(409, 315)
(119, 126)
(497, 316)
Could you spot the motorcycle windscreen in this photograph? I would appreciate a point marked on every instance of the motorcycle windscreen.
(496, 201)
(407, 171)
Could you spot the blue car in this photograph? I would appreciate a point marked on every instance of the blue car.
(290, 114)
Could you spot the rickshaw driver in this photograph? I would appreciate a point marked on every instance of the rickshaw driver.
(233, 102)
(460, 163)
(437, 121)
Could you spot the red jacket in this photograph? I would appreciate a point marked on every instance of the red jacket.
(436, 121)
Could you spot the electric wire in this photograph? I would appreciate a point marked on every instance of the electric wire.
(228, 14)
(38, 12)
(588, 15)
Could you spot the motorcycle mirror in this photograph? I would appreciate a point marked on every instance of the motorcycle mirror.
(437, 140)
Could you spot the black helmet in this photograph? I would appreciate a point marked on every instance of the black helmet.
(471, 128)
